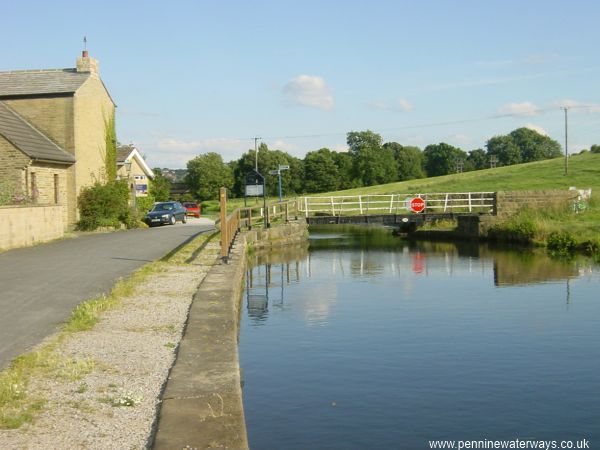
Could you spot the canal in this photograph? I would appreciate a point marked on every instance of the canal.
(366, 341)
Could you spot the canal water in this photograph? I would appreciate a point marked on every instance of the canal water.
(366, 341)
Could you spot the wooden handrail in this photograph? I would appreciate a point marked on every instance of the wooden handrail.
(233, 222)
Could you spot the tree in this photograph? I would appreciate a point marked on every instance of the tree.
(409, 161)
(505, 149)
(357, 140)
(478, 159)
(160, 187)
(320, 171)
(595, 148)
(291, 180)
(372, 164)
(535, 146)
(441, 159)
(343, 162)
(206, 174)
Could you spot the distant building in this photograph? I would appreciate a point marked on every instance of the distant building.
(53, 132)
(132, 166)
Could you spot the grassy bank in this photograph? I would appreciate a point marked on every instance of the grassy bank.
(561, 229)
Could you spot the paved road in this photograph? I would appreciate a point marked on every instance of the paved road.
(40, 286)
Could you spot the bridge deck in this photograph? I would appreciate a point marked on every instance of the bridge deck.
(393, 220)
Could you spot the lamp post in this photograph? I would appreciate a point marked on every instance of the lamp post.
(131, 183)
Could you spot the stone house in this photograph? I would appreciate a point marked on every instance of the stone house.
(132, 166)
(53, 133)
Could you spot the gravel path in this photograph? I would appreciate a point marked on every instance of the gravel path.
(128, 355)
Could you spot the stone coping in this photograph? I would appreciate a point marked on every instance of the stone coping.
(202, 402)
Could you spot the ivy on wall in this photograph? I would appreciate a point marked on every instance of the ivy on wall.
(110, 137)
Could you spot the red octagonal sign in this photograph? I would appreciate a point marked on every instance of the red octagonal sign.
(417, 204)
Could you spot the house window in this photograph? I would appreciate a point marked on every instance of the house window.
(56, 189)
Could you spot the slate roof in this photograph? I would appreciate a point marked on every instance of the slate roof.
(123, 152)
(36, 82)
(28, 139)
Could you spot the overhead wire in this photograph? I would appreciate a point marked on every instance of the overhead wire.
(433, 124)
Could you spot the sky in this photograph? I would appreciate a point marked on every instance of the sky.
(190, 77)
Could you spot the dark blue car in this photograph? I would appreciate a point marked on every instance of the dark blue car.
(166, 213)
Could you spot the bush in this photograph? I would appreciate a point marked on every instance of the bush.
(104, 205)
(521, 230)
(6, 193)
(561, 243)
(9, 195)
(591, 247)
(144, 204)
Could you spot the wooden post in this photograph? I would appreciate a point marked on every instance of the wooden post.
(267, 217)
(287, 212)
(224, 237)
(249, 218)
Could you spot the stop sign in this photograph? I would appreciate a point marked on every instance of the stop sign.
(417, 204)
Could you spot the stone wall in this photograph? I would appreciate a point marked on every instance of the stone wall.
(28, 225)
(13, 164)
(54, 117)
(51, 116)
(92, 110)
(509, 202)
(279, 235)
(51, 186)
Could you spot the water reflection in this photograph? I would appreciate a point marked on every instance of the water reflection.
(376, 253)
(401, 342)
(266, 278)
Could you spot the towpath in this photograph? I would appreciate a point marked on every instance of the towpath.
(40, 286)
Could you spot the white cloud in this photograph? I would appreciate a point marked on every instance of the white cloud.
(537, 128)
(175, 153)
(576, 148)
(311, 91)
(520, 109)
(405, 105)
(460, 139)
(341, 148)
(285, 146)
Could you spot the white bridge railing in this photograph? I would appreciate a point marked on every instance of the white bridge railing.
(435, 203)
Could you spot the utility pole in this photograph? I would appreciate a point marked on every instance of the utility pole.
(256, 153)
(566, 142)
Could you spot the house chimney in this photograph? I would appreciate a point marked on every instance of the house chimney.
(87, 64)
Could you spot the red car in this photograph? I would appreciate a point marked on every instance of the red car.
(192, 209)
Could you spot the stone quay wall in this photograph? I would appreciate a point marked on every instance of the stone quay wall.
(202, 402)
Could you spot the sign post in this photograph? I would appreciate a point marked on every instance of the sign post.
(255, 187)
(278, 173)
